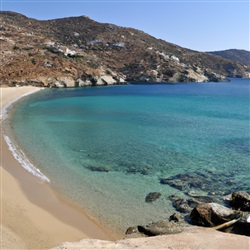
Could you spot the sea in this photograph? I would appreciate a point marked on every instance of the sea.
(106, 148)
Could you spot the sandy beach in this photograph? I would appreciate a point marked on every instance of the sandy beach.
(32, 215)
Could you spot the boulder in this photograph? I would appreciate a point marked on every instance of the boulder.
(240, 200)
(132, 230)
(212, 214)
(152, 196)
(176, 217)
(243, 225)
(160, 227)
(108, 80)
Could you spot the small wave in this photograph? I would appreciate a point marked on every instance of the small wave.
(23, 160)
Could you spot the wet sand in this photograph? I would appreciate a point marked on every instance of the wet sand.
(33, 216)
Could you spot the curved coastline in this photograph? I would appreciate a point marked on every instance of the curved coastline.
(32, 214)
(35, 217)
(17, 153)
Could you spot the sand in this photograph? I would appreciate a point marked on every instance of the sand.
(32, 215)
(194, 238)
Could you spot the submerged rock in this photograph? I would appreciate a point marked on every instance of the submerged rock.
(176, 217)
(212, 214)
(174, 198)
(204, 182)
(178, 184)
(240, 200)
(98, 169)
(182, 206)
(160, 227)
(152, 196)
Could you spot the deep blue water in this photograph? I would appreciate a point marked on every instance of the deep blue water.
(139, 134)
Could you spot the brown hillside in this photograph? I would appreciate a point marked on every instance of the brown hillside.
(78, 51)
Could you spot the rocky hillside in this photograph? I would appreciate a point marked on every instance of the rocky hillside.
(240, 56)
(78, 51)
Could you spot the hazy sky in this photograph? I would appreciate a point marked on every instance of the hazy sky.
(203, 25)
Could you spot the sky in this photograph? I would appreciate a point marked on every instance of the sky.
(202, 25)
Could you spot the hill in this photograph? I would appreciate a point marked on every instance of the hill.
(78, 51)
(240, 56)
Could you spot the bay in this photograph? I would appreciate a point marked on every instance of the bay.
(105, 148)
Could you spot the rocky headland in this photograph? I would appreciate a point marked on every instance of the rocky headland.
(77, 51)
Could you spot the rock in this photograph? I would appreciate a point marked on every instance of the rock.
(204, 183)
(108, 80)
(240, 200)
(178, 184)
(174, 198)
(182, 206)
(152, 196)
(242, 226)
(132, 230)
(98, 169)
(82, 83)
(205, 199)
(176, 217)
(98, 81)
(195, 184)
(160, 227)
(184, 181)
(212, 214)
(67, 81)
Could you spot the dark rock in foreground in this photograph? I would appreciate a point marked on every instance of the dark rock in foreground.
(212, 214)
(242, 226)
(240, 200)
(160, 228)
(152, 196)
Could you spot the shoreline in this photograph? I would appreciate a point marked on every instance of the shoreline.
(33, 215)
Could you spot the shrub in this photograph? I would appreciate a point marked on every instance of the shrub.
(33, 61)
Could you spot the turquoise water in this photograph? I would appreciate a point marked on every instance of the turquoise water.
(137, 134)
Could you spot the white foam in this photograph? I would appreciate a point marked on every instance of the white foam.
(23, 160)
(17, 153)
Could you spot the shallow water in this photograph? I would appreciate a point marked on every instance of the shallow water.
(137, 134)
